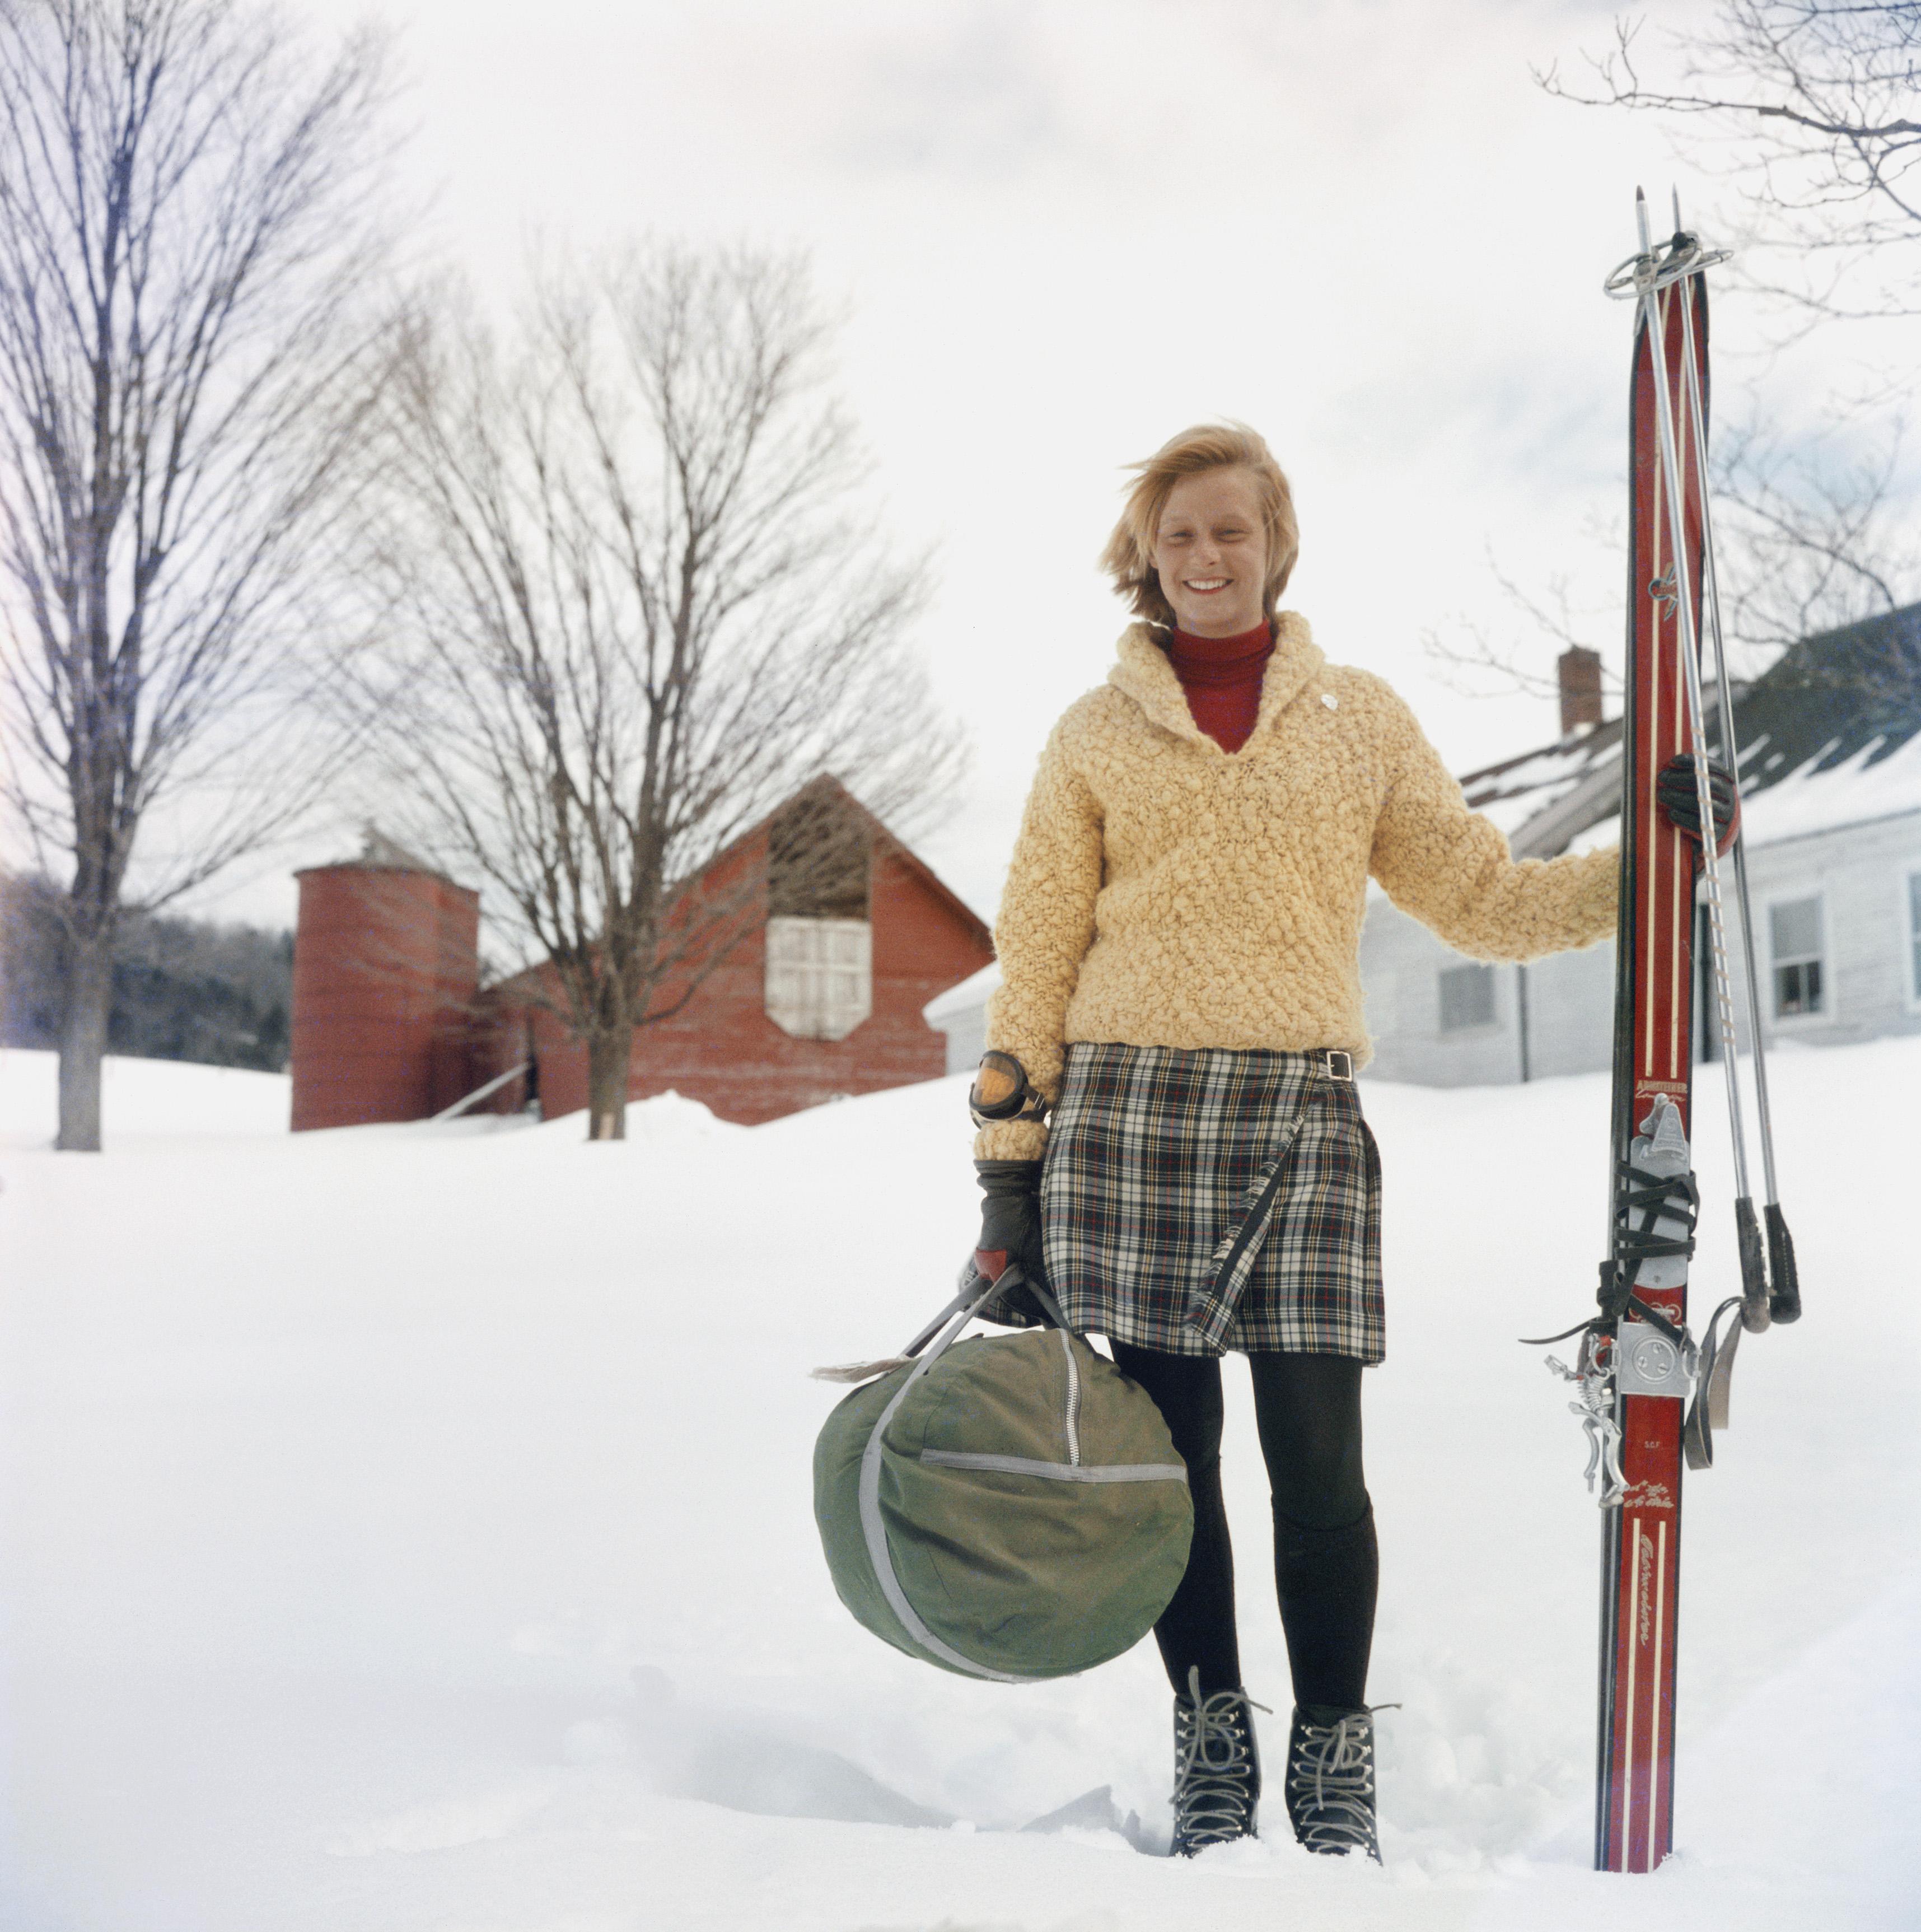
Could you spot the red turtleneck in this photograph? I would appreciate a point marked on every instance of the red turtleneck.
(1222, 677)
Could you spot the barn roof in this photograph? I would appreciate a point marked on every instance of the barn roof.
(915, 863)
(963, 914)
(1830, 735)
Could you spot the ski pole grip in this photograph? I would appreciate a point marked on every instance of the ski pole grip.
(1756, 1305)
(1785, 1303)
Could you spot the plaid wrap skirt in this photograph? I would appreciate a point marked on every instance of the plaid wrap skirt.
(1195, 1201)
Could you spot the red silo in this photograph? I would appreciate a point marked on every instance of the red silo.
(386, 965)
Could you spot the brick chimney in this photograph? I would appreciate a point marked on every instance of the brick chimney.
(1580, 688)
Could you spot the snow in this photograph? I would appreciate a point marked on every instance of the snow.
(144, 1099)
(1854, 792)
(1512, 795)
(1807, 800)
(409, 1528)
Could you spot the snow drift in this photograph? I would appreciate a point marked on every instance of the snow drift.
(409, 1528)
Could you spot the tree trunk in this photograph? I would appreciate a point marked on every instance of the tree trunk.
(609, 1052)
(83, 1040)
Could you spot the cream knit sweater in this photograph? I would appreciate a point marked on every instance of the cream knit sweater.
(1165, 893)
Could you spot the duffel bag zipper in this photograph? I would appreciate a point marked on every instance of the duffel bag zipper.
(1073, 1400)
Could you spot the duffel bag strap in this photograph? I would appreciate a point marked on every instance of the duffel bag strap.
(1012, 1276)
(974, 1292)
(873, 1529)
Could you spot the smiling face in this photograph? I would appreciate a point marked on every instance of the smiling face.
(1211, 554)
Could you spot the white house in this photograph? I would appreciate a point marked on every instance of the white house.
(961, 1013)
(1830, 741)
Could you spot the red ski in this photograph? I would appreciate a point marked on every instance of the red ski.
(1653, 1089)
(1640, 1366)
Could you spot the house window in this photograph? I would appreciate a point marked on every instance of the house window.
(1467, 998)
(1794, 934)
(820, 976)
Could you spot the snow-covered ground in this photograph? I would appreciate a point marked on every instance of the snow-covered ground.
(144, 1100)
(406, 1528)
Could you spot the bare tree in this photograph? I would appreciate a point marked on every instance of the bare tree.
(1812, 536)
(636, 607)
(1808, 107)
(1813, 108)
(1818, 533)
(184, 235)
(1469, 657)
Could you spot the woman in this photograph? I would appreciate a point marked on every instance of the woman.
(1170, 1132)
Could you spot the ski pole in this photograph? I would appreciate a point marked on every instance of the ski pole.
(1784, 1301)
(1650, 279)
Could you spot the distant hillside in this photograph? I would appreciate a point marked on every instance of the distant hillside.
(183, 989)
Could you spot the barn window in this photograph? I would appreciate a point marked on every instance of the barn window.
(1794, 935)
(820, 938)
(1467, 998)
(820, 976)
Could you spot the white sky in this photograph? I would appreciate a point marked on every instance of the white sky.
(1063, 231)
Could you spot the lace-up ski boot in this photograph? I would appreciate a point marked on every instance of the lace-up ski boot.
(1217, 1767)
(1331, 1780)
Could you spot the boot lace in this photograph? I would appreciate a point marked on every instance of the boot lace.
(1331, 1785)
(1216, 1767)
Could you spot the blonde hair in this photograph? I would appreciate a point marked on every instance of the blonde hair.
(1128, 558)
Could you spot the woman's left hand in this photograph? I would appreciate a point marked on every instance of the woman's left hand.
(1679, 798)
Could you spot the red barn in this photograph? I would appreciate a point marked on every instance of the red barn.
(833, 946)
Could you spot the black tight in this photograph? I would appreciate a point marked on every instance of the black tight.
(1326, 1568)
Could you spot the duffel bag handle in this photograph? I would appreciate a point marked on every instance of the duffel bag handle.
(979, 1288)
(1014, 1276)
(975, 1290)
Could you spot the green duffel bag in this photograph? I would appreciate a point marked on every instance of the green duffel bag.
(1009, 1506)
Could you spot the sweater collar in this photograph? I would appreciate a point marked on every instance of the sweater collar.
(1220, 660)
(1144, 675)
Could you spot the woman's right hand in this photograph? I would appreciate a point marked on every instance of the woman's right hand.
(1010, 1219)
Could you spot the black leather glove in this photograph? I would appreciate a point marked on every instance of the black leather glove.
(1679, 800)
(1010, 1223)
